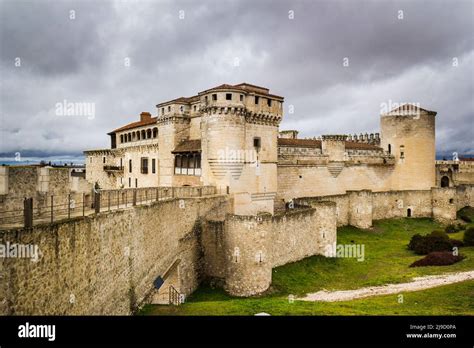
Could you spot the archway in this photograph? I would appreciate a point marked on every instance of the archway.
(408, 212)
(445, 181)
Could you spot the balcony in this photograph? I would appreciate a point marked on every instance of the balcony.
(108, 168)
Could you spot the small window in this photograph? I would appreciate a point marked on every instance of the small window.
(90, 159)
(402, 151)
(214, 97)
(130, 166)
(169, 108)
(121, 138)
(144, 165)
(129, 182)
(257, 99)
(162, 111)
(389, 148)
(153, 166)
(241, 98)
(103, 159)
(195, 108)
(136, 182)
(256, 143)
(228, 96)
(269, 102)
(205, 99)
(181, 108)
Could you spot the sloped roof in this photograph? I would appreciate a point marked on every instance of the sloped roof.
(136, 124)
(299, 142)
(188, 146)
(317, 144)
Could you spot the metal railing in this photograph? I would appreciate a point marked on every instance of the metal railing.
(174, 296)
(43, 208)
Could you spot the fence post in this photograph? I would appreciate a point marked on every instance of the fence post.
(97, 202)
(52, 201)
(28, 212)
(134, 197)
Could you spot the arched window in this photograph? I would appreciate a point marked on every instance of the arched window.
(408, 212)
(121, 138)
(155, 132)
(138, 135)
(129, 137)
(389, 148)
(445, 181)
(148, 133)
(143, 134)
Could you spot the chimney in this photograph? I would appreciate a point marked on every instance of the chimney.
(145, 116)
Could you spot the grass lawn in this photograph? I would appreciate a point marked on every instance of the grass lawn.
(387, 260)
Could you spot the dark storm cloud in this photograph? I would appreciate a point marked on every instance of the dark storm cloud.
(82, 60)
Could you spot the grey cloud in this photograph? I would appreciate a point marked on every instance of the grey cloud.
(301, 59)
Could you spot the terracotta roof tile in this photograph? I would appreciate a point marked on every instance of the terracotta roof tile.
(136, 124)
(299, 142)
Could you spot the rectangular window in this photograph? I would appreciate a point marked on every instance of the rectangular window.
(228, 96)
(162, 111)
(257, 143)
(129, 182)
(257, 99)
(241, 97)
(136, 182)
(153, 165)
(169, 108)
(103, 159)
(214, 97)
(194, 107)
(402, 151)
(205, 99)
(269, 102)
(129, 166)
(144, 165)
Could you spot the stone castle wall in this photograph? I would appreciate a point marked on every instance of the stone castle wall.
(360, 208)
(104, 264)
(40, 183)
(241, 250)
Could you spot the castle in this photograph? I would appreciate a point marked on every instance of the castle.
(275, 199)
(227, 136)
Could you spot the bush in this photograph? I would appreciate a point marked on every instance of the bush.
(466, 218)
(438, 258)
(423, 245)
(461, 227)
(435, 241)
(469, 236)
(450, 229)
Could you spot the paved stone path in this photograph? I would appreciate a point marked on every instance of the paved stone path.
(419, 283)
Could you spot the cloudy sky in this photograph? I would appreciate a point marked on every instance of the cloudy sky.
(125, 56)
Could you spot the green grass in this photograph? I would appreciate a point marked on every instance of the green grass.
(454, 299)
(387, 260)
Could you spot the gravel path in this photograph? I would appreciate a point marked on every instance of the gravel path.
(419, 283)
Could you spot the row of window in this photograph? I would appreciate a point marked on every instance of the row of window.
(143, 165)
(188, 164)
(139, 135)
(228, 96)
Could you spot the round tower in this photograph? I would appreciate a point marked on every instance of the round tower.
(408, 133)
